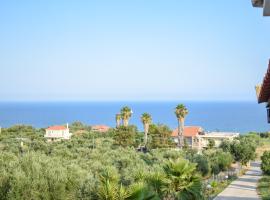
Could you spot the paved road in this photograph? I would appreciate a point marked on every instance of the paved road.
(244, 188)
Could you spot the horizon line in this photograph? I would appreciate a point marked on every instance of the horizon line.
(131, 101)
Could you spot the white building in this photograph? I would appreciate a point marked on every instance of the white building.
(57, 133)
(196, 138)
(218, 137)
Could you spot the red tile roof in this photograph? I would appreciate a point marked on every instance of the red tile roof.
(265, 89)
(56, 128)
(100, 128)
(189, 131)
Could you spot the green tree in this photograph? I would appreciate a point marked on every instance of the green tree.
(224, 160)
(160, 136)
(266, 162)
(126, 113)
(225, 146)
(243, 150)
(146, 120)
(180, 112)
(125, 135)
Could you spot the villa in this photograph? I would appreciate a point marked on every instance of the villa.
(56, 133)
(191, 135)
(196, 138)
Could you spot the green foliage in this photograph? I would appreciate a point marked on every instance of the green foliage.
(264, 135)
(125, 135)
(243, 149)
(181, 111)
(266, 162)
(219, 160)
(146, 118)
(78, 126)
(203, 165)
(182, 181)
(103, 166)
(264, 187)
(35, 176)
(125, 114)
(160, 136)
(226, 146)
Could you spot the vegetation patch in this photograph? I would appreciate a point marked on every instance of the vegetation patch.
(264, 187)
(109, 166)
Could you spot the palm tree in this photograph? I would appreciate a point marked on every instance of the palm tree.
(109, 188)
(180, 112)
(146, 120)
(182, 181)
(118, 119)
(126, 113)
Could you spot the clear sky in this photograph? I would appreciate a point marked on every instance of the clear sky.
(131, 50)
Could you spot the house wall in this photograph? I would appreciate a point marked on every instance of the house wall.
(201, 141)
(218, 140)
(58, 134)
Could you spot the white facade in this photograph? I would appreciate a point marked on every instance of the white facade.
(197, 139)
(218, 137)
(58, 133)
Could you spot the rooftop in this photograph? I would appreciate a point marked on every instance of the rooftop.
(264, 90)
(189, 131)
(57, 128)
(100, 128)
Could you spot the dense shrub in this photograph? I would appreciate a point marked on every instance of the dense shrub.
(125, 136)
(243, 149)
(266, 162)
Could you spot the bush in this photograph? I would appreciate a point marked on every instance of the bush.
(202, 164)
(266, 162)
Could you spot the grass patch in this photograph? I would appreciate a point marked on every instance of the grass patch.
(263, 146)
(264, 187)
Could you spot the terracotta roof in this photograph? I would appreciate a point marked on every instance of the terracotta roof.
(264, 94)
(56, 128)
(100, 128)
(189, 131)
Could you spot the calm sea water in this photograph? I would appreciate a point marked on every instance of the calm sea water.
(212, 116)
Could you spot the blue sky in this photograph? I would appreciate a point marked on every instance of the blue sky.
(131, 50)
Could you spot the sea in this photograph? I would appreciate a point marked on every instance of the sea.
(242, 117)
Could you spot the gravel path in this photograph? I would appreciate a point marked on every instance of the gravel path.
(244, 188)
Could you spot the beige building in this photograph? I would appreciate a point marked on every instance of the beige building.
(196, 138)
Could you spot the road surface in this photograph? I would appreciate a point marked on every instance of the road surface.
(244, 188)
